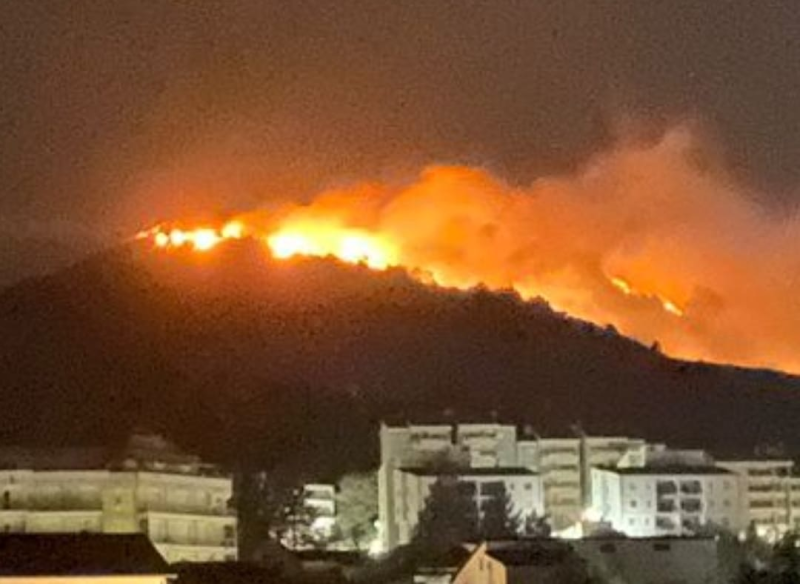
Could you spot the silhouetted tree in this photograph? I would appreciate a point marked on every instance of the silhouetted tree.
(357, 509)
(536, 525)
(498, 518)
(450, 516)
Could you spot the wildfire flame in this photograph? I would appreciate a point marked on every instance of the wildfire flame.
(643, 237)
(628, 290)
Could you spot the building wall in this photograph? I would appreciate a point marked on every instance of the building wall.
(770, 496)
(666, 504)
(185, 516)
(564, 464)
(419, 446)
(656, 561)
(524, 491)
(488, 445)
(566, 468)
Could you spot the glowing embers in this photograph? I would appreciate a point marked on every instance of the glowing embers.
(200, 239)
(626, 288)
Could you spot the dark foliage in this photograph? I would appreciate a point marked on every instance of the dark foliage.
(255, 363)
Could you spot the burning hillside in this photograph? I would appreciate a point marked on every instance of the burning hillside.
(654, 239)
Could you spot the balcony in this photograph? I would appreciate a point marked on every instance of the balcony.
(154, 507)
(691, 505)
(666, 488)
(691, 487)
(193, 541)
(666, 506)
(665, 524)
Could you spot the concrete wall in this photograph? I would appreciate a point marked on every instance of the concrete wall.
(656, 561)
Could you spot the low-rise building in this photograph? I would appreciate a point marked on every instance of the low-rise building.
(666, 500)
(544, 561)
(659, 560)
(148, 487)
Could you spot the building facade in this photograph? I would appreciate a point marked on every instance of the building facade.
(481, 485)
(658, 560)
(770, 495)
(562, 466)
(565, 466)
(405, 448)
(181, 504)
(666, 500)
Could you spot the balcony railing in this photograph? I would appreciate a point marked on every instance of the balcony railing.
(187, 509)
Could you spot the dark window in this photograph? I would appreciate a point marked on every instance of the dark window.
(6, 500)
(661, 547)
(229, 532)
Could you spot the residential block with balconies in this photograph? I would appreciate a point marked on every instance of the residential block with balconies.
(666, 500)
(149, 487)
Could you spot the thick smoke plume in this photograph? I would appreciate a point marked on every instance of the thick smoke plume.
(653, 237)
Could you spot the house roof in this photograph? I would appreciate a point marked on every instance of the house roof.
(449, 561)
(470, 472)
(531, 554)
(85, 554)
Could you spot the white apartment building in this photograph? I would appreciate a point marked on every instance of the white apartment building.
(150, 487)
(408, 447)
(522, 487)
(666, 500)
(315, 518)
(565, 467)
(770, 495)
(561, 465)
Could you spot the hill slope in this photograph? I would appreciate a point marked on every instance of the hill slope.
(240, 356)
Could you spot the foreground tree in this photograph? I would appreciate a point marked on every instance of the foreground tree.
(450, 516)
(357, 509)
(498, 518)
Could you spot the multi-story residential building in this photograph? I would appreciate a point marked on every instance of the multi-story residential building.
(149, 487)
(565, 467)
(312, 517)
(561, 465)
(770, 495)
(434, 447)
(520, 485)
(666, 500)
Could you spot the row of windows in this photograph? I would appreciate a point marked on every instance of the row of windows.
(670, 505)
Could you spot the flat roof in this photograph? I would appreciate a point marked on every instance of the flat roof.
(471, 472)
(671, 469)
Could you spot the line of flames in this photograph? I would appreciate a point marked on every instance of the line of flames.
(350, 245)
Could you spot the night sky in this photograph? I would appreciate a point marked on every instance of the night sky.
(119, 113)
